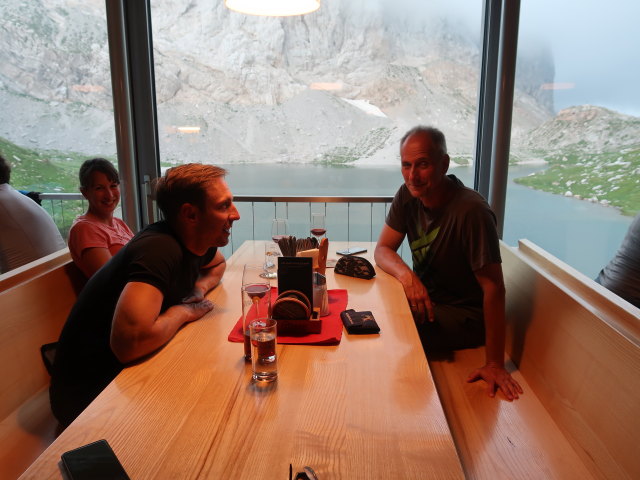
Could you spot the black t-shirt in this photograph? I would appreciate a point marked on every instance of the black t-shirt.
(84, 363)
(622, 274)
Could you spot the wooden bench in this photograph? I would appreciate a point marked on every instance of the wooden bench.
(576, 348)
(34, 303)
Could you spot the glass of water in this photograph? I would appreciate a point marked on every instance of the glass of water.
(271, 254)
(263, 349)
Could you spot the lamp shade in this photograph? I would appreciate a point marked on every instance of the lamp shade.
(273, 8)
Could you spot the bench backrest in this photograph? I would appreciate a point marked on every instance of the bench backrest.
(582, 368)
(33, 309)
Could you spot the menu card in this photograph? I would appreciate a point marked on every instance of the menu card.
(295, 273)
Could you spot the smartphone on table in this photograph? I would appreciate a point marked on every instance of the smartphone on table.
(95, 461)
(351, 251)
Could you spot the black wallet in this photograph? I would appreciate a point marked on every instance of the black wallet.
(359, 322)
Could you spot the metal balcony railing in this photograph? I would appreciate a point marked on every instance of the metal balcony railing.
(63, 208)
(347, 218)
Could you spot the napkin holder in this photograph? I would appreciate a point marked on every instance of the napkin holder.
(295, 273)
(299, 328)
(293, 309)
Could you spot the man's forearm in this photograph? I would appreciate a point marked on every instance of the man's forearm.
(389, 261)
(494, 318)
(162, 330)
(138, 326)
(211, 277)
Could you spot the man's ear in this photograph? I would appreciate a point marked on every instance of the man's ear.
(189, 213)
(445, 161)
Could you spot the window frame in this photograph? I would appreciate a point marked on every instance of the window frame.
(133, 80)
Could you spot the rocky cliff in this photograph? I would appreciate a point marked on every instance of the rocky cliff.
(338, 85)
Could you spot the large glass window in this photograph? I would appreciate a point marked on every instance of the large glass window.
(575, 150)
(55, 93)
(314, 105)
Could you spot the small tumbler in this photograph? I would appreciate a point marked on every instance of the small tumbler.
(263, 349)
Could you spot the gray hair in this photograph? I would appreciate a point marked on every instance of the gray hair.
(436, 136)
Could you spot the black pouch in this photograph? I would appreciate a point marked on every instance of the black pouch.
(48, 353)
(359, 322)
(355, 267)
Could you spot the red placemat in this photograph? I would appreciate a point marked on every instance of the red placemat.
(330, 334)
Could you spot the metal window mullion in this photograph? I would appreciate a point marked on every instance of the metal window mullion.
(488, 85)
(504, 109)
(131, 50)
(122, 112)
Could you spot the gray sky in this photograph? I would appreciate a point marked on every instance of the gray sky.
(596, 46)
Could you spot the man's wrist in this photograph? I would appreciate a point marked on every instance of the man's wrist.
(406, 278)
(494, 364)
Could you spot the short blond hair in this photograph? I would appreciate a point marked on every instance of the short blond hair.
(185, 184)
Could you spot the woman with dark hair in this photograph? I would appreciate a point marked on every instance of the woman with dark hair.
(97, 235)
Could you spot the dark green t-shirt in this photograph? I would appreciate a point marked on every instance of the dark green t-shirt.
(448, 245)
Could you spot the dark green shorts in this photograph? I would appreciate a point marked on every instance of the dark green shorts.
(455, 327)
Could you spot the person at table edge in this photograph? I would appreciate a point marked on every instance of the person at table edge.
(455, 290)
(27, 231)
(153, 286)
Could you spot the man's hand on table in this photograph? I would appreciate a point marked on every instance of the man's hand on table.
(196, 295)
(496, 377)
(196, 309)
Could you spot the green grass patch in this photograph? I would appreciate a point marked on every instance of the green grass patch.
(609, 177)
(48, 171)
(43, 170)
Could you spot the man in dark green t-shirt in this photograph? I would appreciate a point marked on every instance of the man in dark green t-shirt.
(153, 286)
(455, 289)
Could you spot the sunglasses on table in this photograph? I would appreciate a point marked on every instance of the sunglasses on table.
(306, 474)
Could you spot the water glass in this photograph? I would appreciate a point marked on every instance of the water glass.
(271, 254)
(263, 349)
(256, 300)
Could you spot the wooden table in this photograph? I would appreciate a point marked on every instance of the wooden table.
(364, 409)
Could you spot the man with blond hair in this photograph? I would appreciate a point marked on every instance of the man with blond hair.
(152, 287)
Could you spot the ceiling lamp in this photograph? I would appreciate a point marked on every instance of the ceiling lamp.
(273, 8)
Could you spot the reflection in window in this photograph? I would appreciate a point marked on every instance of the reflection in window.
(335, 87)
(315, 104)
(55, 82)
(575, 157)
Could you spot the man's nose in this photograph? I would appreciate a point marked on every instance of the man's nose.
(235, 215)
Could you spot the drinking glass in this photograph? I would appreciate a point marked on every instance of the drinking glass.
(279, 228)
(317, 225)
(271, 254)
(256, 300)
(263, 349)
